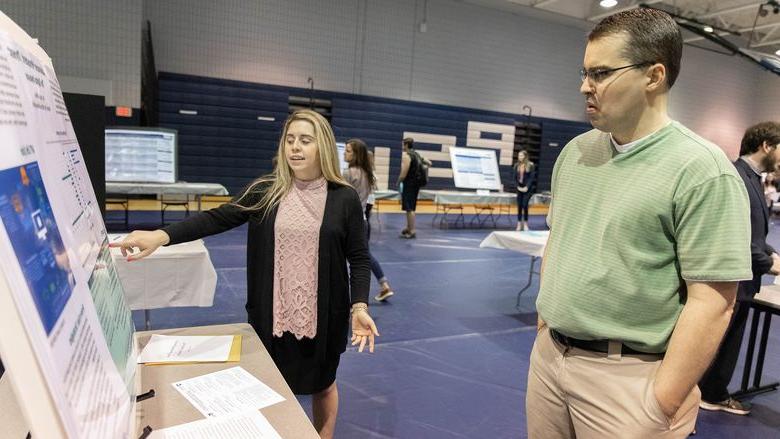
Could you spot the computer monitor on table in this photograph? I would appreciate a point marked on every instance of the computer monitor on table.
(143, 155)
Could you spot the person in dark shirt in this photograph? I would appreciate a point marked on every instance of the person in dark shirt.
(525, 177)
(759, 152)
(305, 227)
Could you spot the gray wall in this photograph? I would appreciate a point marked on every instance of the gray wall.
(95, 45)
(469, 56)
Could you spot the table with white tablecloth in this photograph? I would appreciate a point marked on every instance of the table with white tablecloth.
(173, 276)
(386, 195)
(447, 202)
(766, 302)
(532, 243)
(160, 189)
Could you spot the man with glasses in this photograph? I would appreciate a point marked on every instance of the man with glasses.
(649, 235)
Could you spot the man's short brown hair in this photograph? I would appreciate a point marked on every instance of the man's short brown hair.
(759, 133)
(653, 36)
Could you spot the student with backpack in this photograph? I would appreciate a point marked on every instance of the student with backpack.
(414, 175)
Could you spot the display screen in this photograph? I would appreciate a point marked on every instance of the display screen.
(475, 168)
(141, 155)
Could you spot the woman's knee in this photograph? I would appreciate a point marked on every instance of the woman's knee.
(327, 391)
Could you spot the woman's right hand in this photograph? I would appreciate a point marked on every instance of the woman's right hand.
(146, 243)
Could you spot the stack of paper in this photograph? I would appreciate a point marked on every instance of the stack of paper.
(227, 392)
(249, 425)
(230, 399)
(165, 349)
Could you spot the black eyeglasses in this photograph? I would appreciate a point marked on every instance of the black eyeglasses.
(598, 75)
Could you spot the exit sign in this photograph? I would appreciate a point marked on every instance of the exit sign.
(124, 111)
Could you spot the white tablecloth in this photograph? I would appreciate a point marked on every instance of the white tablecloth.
(178, 275)
(458, 197)
(769, 296)
(387, 195)
(531, 242)
(178, 188)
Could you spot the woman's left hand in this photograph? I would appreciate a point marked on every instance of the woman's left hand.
(363, 329)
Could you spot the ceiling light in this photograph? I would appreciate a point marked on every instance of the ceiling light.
(708, 29)
(777, 52)
(607, 3)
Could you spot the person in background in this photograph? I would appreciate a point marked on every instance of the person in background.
(770, 191)
(525, 177)
(305, 227)
(411, 162)
(759, 153)
(370, 200)
(360, 175)
(649, 237)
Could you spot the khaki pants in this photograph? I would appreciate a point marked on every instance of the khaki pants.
(583, 394)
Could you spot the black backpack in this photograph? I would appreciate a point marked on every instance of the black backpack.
(420, 172)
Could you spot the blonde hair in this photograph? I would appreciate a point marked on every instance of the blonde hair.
(280, 180)
(530, 166)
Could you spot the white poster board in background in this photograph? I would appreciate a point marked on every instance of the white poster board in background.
(475, 168)
(343, 165)
(67, 334)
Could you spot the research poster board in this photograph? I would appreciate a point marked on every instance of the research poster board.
(68, 335)
(343, 165)
(144, 155)
(475, 168)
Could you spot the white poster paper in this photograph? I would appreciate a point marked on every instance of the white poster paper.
(194, 348)
(248, 425)
(227, 392)
(54, 249)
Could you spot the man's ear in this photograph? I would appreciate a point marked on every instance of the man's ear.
(656, 76)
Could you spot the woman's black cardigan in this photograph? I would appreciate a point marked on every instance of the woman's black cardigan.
(342, 240)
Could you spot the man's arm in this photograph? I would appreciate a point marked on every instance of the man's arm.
(406, 160)
(694, 341)
(539, 322)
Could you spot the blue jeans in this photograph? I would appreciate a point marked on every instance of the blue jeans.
(375, 267)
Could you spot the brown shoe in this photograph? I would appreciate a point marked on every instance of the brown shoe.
(383, 295)
(730, 405)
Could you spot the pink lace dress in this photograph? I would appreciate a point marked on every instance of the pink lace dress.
(296, 259)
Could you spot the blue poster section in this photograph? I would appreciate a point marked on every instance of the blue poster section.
(32, 229)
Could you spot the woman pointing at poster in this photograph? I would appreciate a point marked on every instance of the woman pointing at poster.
(305, 225)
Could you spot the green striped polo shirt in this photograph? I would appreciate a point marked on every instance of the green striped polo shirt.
(628, 229)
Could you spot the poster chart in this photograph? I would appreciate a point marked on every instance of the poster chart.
(340, 148)
(475, 168)
(54, 252)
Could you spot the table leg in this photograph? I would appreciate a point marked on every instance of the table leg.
(762, 350)
(435, 214)
(531, 273)
(198, 196)
(757, 388)
(750, 350)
